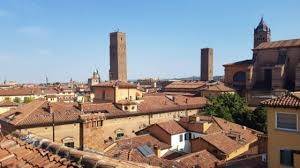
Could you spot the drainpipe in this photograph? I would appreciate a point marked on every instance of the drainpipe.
(53, 125)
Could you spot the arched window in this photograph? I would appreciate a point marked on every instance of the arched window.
(239, 77)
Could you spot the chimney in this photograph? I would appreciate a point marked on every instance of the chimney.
(80, 106)
(157, 150)
(49, 108)
(197, 119)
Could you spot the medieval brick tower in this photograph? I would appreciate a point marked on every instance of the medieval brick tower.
(262, 33)
(207, 64)
(117, 52)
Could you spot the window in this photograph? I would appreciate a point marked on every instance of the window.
(68, 141)
(94, 123)
(180, 138)
(120, 135)
(287, 121)
(187, 136)
(70, 144)
(286, 158)
(103, 95)
(99, 123)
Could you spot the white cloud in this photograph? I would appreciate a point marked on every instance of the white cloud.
(33, 31)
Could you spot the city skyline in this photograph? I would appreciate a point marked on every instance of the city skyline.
(43, 39)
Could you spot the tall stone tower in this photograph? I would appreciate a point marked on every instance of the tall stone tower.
(262, 33)
(207, 55)
(117, 52)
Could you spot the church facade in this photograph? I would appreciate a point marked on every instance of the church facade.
(275, 65)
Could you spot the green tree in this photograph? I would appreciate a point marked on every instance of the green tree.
(227, 106)
(27, 99)
(233, 108)
(256, 119)
(17, 100)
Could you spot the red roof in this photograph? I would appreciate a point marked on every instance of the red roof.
(120, 84)
(17, 150)
(171, 127)
(37, 113)
(290, 100)
(279, 44)
(203, 159)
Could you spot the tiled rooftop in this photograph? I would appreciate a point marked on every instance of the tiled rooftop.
(37, 113)
(127, 149)
(203, 159)
(243, 63)
(216, 87)
(195, 86)
(279, 44)
(120, 84)
(28, 151)
(7, 103)
(18, 91)
(222, 142)
(291, 100)
(185, 85)
(171, 127)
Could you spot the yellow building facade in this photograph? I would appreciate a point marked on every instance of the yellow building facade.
(283, 115)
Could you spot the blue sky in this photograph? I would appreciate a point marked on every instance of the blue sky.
(69, 39)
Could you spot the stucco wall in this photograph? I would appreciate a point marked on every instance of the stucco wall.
(130, 125)
(269, 57)
(279, 139)
(61, 132)
(185, 145)
(21, 97)
(126, 94)
(104, 93)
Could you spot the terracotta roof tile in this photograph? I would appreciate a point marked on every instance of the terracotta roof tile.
(216, 87)
(289, 100)
(171, 127)
(14, 153)
(151, 103)
(222, 142)
(279, 44)
(127, 150)
(7, 103)
(37, 113)
(120, 84)
(203, 159)
(185, 85)
(19, 91)
(240, 63)
(218, 125)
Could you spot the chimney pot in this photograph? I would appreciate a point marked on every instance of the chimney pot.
(49, 106)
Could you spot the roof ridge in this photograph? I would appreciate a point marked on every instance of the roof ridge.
(282, 40)
(214, 119)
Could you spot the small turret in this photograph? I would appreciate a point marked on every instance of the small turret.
(262, 33)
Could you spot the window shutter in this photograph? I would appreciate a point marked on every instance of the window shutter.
(286, 157)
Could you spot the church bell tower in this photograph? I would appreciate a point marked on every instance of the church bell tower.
(262, 33)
